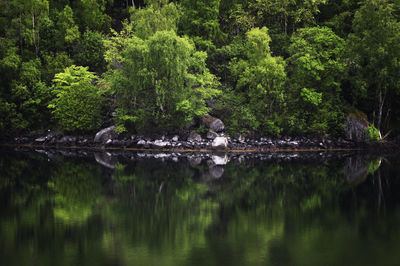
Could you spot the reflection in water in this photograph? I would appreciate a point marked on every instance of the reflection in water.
(358, 167)
(184, 209)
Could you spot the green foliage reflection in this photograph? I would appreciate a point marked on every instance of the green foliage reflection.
(154, 212)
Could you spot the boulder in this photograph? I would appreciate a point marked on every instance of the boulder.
(220, 143)
(355, 128)
(104, 135)
(106, 159)
(193, 137)
(358, 167)
(213, 123)
(217, 171)
(211, 134)
(141, 142)
(220, 159)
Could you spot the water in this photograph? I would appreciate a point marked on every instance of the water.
(80, 208)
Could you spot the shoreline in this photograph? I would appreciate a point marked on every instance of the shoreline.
(196, 144)
(249, 150)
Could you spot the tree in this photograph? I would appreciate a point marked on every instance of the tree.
(200, 21)
(67, 32)
(338, 15)
(259, 81)
(315, 71)
(147, 21)
(162, 84)
(54, 63)
(89, 51)
(27, 21)
(91, 15)
(373, 55)
(283, 17)
(78, 102)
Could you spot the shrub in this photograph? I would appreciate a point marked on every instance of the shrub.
(78, 102)
(372, 134)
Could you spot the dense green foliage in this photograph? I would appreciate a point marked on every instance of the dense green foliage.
(269, 66)
(315, 80)
(163, 83)
(77, 104)
(259, 79)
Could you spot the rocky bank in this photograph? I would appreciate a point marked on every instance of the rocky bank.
(214, 140)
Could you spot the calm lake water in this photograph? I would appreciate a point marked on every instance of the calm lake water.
(81, 208)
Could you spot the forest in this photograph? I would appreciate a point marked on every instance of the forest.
(265, 67)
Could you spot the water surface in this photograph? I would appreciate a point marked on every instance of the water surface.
(85, 208)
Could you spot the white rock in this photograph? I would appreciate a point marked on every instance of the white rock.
(160, 143)
(220, 143)
(105, 134)
(141, 142)
(220, 160)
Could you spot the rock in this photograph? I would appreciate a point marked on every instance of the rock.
(220, 160)
(217, 171)
(67, 140)
(116, 142)
(187, 145)
(239, 137)
(41, 139)
(193, 136)
(355, 128)
(158, 144)
(105, 134)
(220, 143)
(211, 134)
(50, 136)
(162, 156)
(21, 139)
(175, 138)
(213, 123)
(358, 167)
(293, 143)
(106, 159)
(141, 142)
(194, 160)
(82, 141)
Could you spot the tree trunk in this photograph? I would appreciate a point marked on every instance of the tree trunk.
(380, 108)
(20, 32)
(35, 38)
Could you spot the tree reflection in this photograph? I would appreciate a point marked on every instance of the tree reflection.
(192, 212)
(77, 191)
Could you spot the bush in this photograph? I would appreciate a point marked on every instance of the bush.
(372, 134)
(78, 102)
